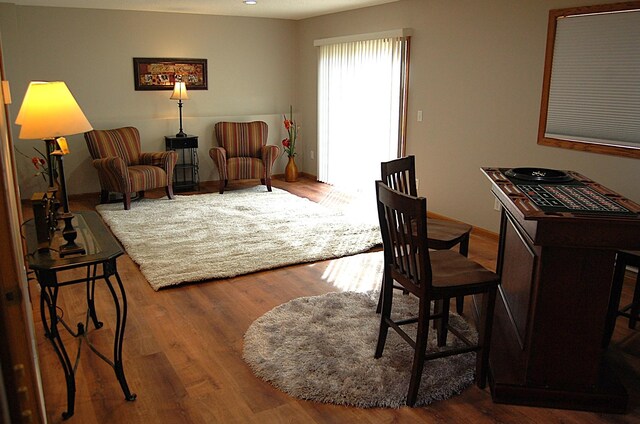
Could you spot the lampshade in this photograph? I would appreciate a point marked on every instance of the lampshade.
(49, 111)
(179, 91)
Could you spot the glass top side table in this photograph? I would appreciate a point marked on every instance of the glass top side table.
(102, 250)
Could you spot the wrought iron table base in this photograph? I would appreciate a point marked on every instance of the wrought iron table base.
(50, 319)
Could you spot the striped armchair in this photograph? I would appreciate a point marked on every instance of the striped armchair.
(243, 153)
(122, 168)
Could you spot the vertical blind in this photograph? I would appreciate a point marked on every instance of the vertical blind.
(360, 95)
(594, 95)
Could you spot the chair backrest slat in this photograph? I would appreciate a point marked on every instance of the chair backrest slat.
(400, 175)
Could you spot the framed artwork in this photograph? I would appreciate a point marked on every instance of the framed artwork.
(161, 73)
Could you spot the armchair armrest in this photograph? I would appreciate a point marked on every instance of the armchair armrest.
(269, 155)
(165, 160)
(113, 174)
(219, 156)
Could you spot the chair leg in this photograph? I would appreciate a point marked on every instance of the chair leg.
(635, 305)
(464, 246)
(387, 298)
(104, 196)
(484, 336)
(221, 186)
(379, 306)
(127, 201)
(169, 190)
(464, 251)
(422, 336)
(614, 301)
(442, 323)
(268, 182)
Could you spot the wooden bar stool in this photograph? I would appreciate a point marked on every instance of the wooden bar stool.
(624, 259)
(631, 311)
(400, 175)
(430, 276)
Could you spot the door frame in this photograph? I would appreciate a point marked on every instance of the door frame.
(21, 394)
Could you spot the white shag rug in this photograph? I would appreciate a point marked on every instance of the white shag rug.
(321, 348)
(206, 236)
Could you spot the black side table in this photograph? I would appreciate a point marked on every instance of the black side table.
(185, 175)
(102, 249)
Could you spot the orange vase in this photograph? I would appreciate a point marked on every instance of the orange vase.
(291, 170)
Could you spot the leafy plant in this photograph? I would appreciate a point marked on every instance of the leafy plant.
(292, 128)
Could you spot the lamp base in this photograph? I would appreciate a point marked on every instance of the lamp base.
(181, 134)
(69, 234)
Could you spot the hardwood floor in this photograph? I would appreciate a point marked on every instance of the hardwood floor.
(183, 348)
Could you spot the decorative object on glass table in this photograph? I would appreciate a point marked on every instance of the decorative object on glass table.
(49, 111)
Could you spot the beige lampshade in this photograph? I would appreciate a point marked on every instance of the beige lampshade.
(179, 91)
(49, 111)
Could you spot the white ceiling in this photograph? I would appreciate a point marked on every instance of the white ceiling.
(283, 9)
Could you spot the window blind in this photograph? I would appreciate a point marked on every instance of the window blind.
(360, 94)
(594, 94)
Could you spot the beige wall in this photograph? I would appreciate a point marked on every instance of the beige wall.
(476, 73)
(251, 75)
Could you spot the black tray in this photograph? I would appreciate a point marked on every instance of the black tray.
(542, 175)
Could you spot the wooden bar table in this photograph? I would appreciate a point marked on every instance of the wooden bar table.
(559, 233)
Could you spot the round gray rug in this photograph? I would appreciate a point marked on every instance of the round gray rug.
(321, 348)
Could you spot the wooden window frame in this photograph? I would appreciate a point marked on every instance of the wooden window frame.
(609, 148)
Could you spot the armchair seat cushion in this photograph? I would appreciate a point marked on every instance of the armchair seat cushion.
(146, 177)
(245, 168)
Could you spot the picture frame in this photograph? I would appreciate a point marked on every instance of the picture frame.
(161, 73)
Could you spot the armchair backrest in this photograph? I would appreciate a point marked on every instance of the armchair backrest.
(122, 142)
(242, 139)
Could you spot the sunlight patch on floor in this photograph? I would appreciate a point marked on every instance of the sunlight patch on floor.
(360, 204)
(358, 273)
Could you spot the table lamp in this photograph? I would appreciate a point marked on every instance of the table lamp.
(50, 112)
(180, 94)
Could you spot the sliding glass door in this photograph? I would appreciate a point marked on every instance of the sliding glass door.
(361, 103)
